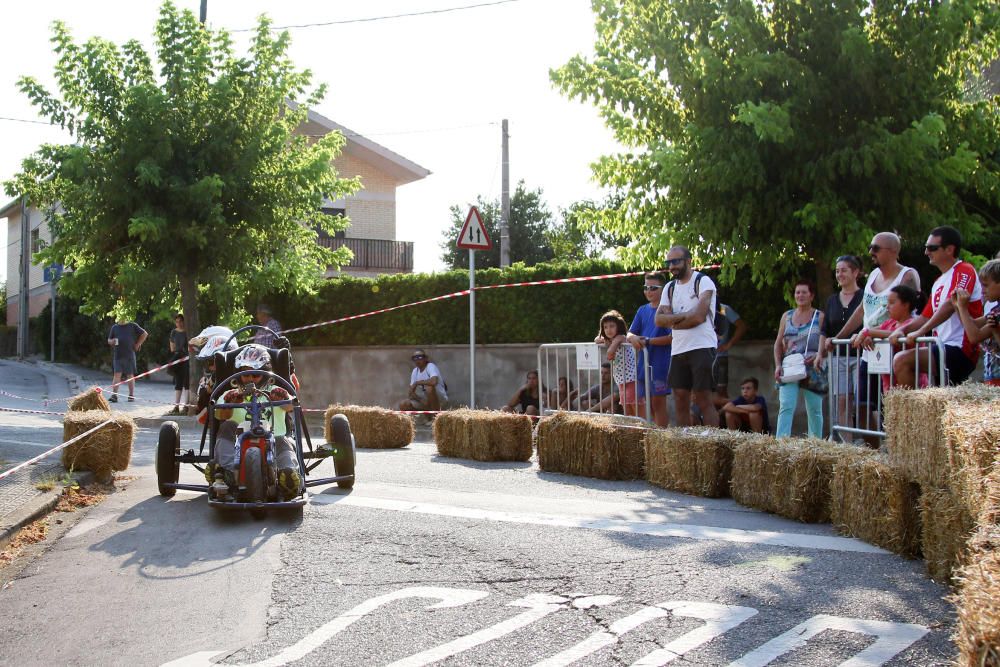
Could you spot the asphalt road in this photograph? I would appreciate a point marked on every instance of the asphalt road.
(434, 560)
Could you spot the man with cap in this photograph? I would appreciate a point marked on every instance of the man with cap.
(427, 387)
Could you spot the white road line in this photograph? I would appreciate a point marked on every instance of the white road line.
(690, 531)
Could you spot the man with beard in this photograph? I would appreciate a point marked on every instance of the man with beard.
(688, 308)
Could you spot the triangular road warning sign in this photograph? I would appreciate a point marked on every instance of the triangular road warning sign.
(473, 235)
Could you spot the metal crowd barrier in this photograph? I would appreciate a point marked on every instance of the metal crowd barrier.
(848, 415)
(582, 361)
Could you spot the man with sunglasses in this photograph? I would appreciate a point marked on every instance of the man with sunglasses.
(939, 315)
(688, 308)
(645, 335)
(427, 387)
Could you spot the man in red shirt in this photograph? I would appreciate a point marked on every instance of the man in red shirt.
(939, 314)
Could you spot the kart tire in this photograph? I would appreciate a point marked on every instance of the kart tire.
(345, 456)
(254, 478)
(168, 469)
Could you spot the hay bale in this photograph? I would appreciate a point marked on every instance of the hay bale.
(698, 460)
(373, 428)
(483, 435)
(946, 525)
(92, 399)
(790, 477)
(604, 447)
(932, 434)
(872, 500)
(989, 512)
(977, 634)
(104, 451)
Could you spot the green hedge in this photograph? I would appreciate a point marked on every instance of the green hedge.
(567, 312)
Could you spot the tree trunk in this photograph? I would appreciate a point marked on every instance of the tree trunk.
(189, 304)
(824, 280)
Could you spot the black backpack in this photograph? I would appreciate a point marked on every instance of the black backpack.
(719, 322)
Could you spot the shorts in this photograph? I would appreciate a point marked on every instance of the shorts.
(844, 375)
(720, 371)
(627, 393)
(869, 387)
(124, 366)
(959, 366)
(182, 375)
(692, 370)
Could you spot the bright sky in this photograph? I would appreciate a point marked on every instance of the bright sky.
(432, 88)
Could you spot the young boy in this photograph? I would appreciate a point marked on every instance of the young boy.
(222, 473)
(749, 411)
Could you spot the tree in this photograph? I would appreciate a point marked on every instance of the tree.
(530, 219)
(771, 133)
(187, 180)
(579, 235)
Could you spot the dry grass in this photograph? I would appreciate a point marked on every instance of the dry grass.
(107, 450)
(873, 501)
(790, 477)
(697, 460)
(483, 435)
(946, 525)
(373, 428)
(91, 399)
(73, 498)
(977, 634)
(31, 534)
(598, 446)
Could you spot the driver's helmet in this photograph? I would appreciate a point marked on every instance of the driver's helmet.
(253, 357)
(215, 344)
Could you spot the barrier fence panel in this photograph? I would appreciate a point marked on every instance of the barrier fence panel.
(581, 362)
(858, 379)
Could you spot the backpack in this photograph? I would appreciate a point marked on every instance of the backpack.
(720, 323)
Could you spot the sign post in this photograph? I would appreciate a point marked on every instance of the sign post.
(473, 237)
(51, 274)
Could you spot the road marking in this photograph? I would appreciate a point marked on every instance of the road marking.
(893, 638)
(691, 531)
(719, 619)
(539, 606)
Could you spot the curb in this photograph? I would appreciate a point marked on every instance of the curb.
(36, 508)
(73, 379)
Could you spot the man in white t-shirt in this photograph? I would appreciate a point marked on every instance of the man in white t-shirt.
(688, 308)
(427, 386)
(939, 315)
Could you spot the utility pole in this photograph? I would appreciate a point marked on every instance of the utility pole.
(505, 200)
(204, 10)
(22, 296)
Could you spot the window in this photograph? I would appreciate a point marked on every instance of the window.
(37, 244)
(338, 212)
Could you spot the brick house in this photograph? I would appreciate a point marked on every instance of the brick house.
(372, 210)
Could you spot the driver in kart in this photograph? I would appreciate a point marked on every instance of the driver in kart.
(204, 346)
(222, 473)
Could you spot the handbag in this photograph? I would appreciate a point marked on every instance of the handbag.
(816, 380)
(793, 366)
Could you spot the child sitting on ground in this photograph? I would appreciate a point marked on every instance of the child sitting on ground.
(748, 412)
(622, 357)
(223, 472)
(903, 302)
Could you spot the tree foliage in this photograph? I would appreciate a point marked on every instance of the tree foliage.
(185, 176)
(771, 133)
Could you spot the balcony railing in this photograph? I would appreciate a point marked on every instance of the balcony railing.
(375, 254)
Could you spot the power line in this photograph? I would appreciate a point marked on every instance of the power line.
(25, 120)
(383, 18)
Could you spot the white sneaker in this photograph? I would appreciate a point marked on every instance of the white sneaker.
(219, 488)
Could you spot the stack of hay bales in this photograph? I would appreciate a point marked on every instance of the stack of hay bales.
(790, 477)
(104, 451)
(697, 460)
(977, 635)
(373, 428)
(483, 435)
(945, 439)
(604, 447)
(92, 399)
(872, 500)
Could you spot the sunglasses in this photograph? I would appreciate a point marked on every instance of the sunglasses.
(651, 288)
(874, 248)
(678, 260)
(932, 247)
(418, 357)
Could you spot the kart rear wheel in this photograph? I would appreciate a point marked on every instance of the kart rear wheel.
(345, 456)
(253, 476)
(168, 470)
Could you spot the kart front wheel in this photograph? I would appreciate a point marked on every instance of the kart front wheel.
(345, 457)
(168, 470)
(253, 476)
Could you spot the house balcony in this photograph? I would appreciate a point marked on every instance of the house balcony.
(374, 255)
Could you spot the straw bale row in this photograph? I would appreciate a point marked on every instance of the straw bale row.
(104, 451)
(873, 501)
(946, 526)
(604, 447)
(977, 635)
(91, 399)
(483, 435)
(790, 477)
(698, 461)
(373, 428)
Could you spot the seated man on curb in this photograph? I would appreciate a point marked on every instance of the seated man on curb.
(748, 412)
(428, 389)
(603, 396)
